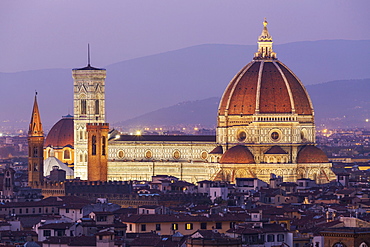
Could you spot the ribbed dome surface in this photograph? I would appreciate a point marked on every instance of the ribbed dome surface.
(61, 134)
(237, 155)
(267, 86)
(311, 154)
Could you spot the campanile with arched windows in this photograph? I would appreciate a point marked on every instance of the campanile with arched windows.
(89, 107)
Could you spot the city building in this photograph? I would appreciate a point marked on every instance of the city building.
(265, 126)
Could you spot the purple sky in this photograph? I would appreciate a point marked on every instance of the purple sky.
(54, 34)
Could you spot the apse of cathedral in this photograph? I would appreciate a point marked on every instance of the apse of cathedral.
(265, 126)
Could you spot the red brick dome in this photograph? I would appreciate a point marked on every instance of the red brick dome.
(61, 134)
(237, 155)
(265, 86)
(311, 154)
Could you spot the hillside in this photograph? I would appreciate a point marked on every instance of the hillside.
(341, 104)
(138, 86)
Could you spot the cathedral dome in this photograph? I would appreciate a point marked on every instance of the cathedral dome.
(311, 154)
(265, 86)
(237, 155)
(61, 134)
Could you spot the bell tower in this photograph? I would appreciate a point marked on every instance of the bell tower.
(89, 107)
(97, 151)
(35, 148)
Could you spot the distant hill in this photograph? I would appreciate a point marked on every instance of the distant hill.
(344, 103)
(142, 85)
(198, 112)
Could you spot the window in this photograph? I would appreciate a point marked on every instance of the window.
(20, 211)
(93, 144)
(175, 226)
(35, 152)
(275, 136)
(67, 210)
(232, 225)
(270, 238)
(47, 233)
(67, 155)
(143, 227)
(130, 227)
(97, 106)
(101, 237)
(218, 225)
(189, 226)
(203, 225)
(103, 146)
(59, 233)
(280, 237)
(7, 182)
(83, 107)
(101, 218)
(39, 210)
(157, 227)
(26, 210)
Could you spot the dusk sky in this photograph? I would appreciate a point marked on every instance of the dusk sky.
(54, 34)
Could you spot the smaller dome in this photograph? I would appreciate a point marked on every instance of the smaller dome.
(61, 134)
(275, 150)
(217, 150)
(237, 155)
(311, 154)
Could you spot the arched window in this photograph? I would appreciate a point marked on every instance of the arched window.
(67, 154)
(103, 146)
(35, 152)
(97, 106)
(83, 107)
(93, 145)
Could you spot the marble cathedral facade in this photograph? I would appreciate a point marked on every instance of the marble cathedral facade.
(265, 125)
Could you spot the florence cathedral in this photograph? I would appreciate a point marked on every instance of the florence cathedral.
(265, 125)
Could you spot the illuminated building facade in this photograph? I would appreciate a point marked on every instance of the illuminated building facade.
(89, 107)
(265, 126)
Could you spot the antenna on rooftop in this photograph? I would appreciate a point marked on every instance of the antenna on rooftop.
(88, 54)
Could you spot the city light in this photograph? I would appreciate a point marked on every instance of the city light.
(138, 133)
